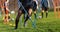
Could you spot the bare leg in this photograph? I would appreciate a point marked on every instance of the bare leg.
(28, 16)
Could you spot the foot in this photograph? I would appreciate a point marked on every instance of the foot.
(25, 25)
(15, 28)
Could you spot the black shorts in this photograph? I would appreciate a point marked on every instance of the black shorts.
(25, 9)
(44, 8)
(27, 6)
(34, 6)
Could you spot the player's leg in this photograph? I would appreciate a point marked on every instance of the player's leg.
(46, 9)
(42, 12)
(17, 18)
(35, 8)
(28, 16)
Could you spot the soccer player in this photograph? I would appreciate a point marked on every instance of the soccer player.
(44, 5)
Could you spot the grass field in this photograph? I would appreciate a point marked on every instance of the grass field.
(50, 24)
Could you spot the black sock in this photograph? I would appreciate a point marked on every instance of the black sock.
(16, 23)
(46, 15)
(26, 20)
(42, 14)
(35, 16)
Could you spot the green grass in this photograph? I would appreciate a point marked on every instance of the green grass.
(50, 24)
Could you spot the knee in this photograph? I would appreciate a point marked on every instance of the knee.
(42, 11)
(19, 13)
(30, 11)
(46, 11)
(34, 12)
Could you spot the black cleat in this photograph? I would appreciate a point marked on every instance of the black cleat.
(15, 28)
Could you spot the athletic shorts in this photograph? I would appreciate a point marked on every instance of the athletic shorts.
(29, 5)
(34, 6)
(44, 8)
